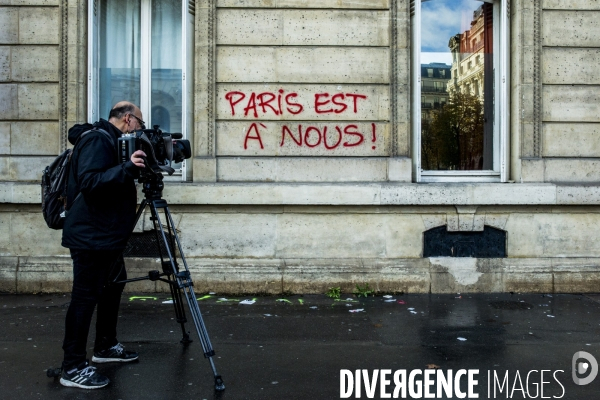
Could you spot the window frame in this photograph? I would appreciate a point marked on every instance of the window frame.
(501, 33)
(187, 51)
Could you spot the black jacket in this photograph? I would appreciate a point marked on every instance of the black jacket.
(102, 217)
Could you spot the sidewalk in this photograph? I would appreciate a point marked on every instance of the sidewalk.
(295, 349)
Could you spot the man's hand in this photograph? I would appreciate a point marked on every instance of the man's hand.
(138, 158)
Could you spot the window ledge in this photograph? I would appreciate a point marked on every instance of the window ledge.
(380, 194)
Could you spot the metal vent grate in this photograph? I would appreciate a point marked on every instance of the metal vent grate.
(144, 244)
(438, 242)
(192, 7)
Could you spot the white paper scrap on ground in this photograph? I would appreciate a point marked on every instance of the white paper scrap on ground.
(551, 316)
(267, 315)
(413, 312)
(247, 301)
(410, 308)
(168, 302)
(357, 310)
(314, 307)
(390, 300)
(388, 296)
(462, 339)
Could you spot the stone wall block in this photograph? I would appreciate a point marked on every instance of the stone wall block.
(336, 28)
(314, 64)
(39, 25)
(34, 138)
(34, 2)
(553, 235)
(35, 64)
(293, 169)
(229, 235)
(572, 170)
(561, 103)
(400, 169)
(571, 140)
(9, 21)
(237, 276)
(5, 238)
(570, 5)
(302, 27)
(205, 169)
(4, 137)
(309, 276)
(44, 275)
(38, 101)
(31, 237)
(431, 221)
(564, 28)
(463, 274)
(28, 169)
(5, 169)
(404, 236)
(319, 236)
(8, 274)
(369, 4)
(496, 220)
(9, 108)
(250, 27)
(4, 63)
(570, 66)
(578, 195)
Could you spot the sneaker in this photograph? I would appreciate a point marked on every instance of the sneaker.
(115, 354)
(84, 378)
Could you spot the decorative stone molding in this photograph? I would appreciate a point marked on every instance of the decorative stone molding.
(465, 220)
(64, 74)
(394, 78)
(537, 80)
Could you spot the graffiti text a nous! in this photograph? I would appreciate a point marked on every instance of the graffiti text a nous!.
(344, 135)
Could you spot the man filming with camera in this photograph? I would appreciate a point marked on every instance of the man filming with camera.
(102, 198)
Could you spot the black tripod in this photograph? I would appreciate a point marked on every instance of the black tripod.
(179, 280)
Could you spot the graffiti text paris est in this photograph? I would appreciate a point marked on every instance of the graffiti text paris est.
(265, 104)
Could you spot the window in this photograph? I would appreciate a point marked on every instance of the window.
(467, 138)
(142, 51)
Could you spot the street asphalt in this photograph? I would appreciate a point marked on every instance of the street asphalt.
(296, 347)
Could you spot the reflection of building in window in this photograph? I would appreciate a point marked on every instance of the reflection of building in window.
(467, 49)
(434, 81)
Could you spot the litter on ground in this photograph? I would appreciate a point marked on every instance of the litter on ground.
(248, 302)
(462, 339)
(357, 310)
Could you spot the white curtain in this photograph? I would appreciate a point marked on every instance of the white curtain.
(167, 44)
(119, 40)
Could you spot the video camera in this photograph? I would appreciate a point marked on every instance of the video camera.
(160, 147)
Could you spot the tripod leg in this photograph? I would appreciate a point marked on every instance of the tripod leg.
(180, 313)
(184, 283)
(167, 261)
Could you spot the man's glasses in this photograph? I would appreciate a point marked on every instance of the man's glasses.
(142, 123)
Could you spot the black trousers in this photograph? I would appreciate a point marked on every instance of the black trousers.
(93, 272)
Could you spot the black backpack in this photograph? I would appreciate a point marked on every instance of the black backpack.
(55, 179)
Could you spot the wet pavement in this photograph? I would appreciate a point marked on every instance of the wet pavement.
(295, 348)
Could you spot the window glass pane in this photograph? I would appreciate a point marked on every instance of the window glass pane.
(119, 53)
(458, 96)
(167, 93)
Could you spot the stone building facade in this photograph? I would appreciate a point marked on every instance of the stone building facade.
(303, 175)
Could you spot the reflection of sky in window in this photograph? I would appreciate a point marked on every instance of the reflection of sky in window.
(440, 20)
